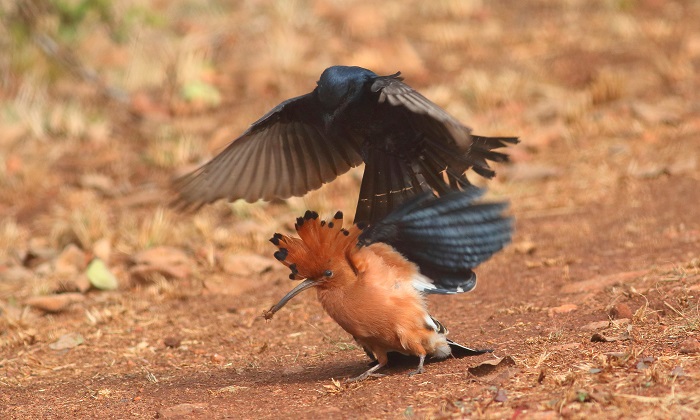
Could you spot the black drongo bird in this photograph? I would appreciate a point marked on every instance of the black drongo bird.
(408, 144)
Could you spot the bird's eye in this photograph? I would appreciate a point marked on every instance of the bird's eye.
(328, 273)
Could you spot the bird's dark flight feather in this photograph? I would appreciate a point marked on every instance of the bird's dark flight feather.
(409, 144)
(459, 350)
(285, 153)
(445, 237)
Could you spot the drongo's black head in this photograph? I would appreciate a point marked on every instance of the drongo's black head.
(341, 85)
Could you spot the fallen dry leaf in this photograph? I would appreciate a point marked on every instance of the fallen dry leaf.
(644, 362)
(334, 388)
(217, 358)
(600, 338)
(35, 256)
(563, 309)
(646, 171)
(567, 346)
(67, 341)
(143, 273)
(165, 260)
(162, 255)
(621, 311)
(525, 247)
(231, 389)
(15, 274)
(677, 371)
(501, 396)
(247, 264)
(70, 261)
(668, 112)
(683, 166)
(102, 248)
(172, 341)
(82, 283)
(600, 325)
(495, 371)
(142, 104)
(55, 303)
(690, 346)
(98, 182)
(183, 411)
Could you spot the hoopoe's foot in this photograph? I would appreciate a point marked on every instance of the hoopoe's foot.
(417, 371)
(368, 373)
(420, 367)
(364, 376)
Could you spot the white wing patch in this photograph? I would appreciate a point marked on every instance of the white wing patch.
(423, 284)
(426, 285)
(429, 322)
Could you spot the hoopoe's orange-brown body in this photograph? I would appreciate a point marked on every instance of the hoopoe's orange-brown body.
(368, 291)
(380, 307)
(372, 282)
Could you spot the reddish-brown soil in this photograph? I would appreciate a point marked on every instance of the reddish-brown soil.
(604, 189)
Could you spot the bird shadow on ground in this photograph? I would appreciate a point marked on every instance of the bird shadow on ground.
(399, 364)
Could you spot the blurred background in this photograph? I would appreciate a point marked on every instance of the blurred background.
(103, 102)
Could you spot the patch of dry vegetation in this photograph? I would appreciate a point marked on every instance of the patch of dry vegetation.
(101, 103)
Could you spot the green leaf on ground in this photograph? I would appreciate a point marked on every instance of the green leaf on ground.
(100, 276)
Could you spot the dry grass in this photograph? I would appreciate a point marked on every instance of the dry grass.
(604, 95)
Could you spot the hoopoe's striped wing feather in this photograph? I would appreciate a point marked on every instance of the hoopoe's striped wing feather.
(446, 237)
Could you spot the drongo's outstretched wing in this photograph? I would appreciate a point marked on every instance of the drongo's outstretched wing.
(285, 153)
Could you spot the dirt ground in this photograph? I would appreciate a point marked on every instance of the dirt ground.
(592, 311)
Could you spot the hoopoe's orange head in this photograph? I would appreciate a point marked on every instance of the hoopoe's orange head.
(320, 254)
(319, 248)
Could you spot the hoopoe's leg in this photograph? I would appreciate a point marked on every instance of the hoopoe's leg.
(420, 366)
(381, 362)
(368, 373)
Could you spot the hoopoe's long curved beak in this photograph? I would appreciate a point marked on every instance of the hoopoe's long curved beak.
(306, 284)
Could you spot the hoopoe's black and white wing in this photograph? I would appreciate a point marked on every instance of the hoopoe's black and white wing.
(446, 237)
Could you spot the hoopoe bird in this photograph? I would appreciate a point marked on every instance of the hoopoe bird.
(372, 281)
(409, 146)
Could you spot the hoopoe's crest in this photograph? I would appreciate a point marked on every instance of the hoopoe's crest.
(319, 243)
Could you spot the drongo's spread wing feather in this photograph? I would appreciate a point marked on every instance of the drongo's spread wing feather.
(409, 145)
(285, 153)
